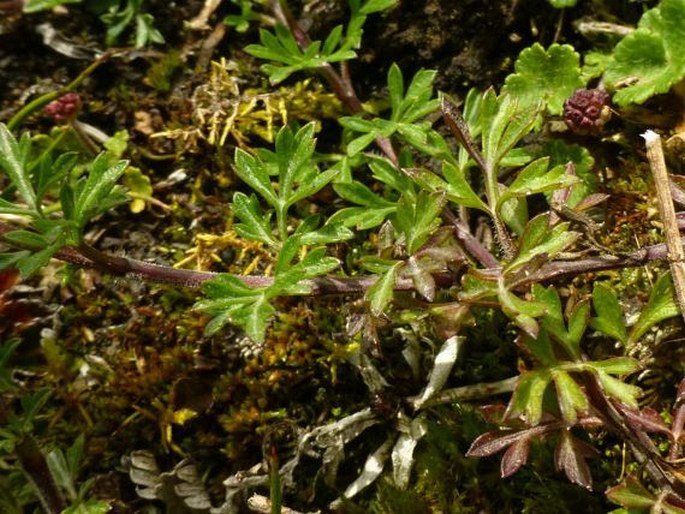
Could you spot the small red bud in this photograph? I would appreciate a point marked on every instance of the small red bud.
(587, 110)
(65, 108)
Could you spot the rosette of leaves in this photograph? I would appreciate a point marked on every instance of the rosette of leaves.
(651, 60)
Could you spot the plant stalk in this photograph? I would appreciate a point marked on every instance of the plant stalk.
(676, 254)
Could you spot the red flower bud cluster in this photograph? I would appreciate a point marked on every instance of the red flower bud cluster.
(65, 108)
(587, 110)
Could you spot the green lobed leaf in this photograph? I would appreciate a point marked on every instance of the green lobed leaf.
(313, 264)
(550, 76)
(253, 318)
(358, 193)
(616, 388)
(528, 396)
(92, 197)
(380, 294)
(358, 144)
(332, 40)
(619, 366)
(571, 398)
(661, 306)
(232, 301)
(51, 172)
(541, 348)
(11, 208)
(255, 225)
(631, 494)
(539, 239)
(417, 219)
(417, 101)
(416, 134)
(329, 233)
(310, 187)
(553, 320)
(560, 154)
(523, 312)
(652, 58)
(459, 189)
(13, 155)
(386, 172)
(26, 238)
(456, 190)
(254, 173)
(577, 323)
(505, 124)
(294, 153)
(535, 178)
(362, 218)
(10, 260)
(59, 469)
(609, 318)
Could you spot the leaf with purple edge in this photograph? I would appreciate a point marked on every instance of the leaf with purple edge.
(570, 456)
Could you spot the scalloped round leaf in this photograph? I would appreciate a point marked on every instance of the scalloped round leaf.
(651, 59)
(550, 75)
(640, 61)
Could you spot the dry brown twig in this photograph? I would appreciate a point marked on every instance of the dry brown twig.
(676, 253)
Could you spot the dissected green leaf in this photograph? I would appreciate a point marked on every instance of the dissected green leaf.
(407, 109)
(456, 188)
(522, 312)
(313, 264)
(26, 238)
(539, 239)
(380, 294)
(535, 178)
(50, 173)
(255, 174)
(631, 494)
(609, 318)
(617, 388)
(13, 156)
(281, 47)
(562, 153)
(661, 306)
(386, 172)
(417, 219)
(528, 396)
(98, 192)
(549, 76)
(571, 398)
(651, 59)
(541, 348)
(619, 366)
(374, 211)
(255, 225)
(553, 320)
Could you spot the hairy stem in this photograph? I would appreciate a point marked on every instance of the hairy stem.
(88, 257)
